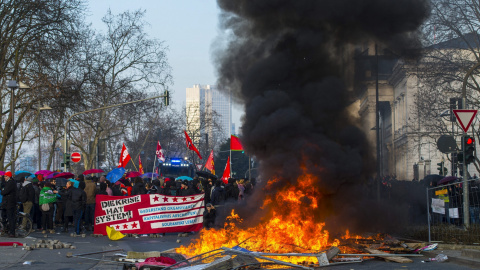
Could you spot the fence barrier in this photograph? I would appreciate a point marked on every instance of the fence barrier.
(445, 213)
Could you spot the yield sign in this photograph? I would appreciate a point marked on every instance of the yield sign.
(465, 118)
(199, 166)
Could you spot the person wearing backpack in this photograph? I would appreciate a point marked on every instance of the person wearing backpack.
(27, 197)
(46, 200)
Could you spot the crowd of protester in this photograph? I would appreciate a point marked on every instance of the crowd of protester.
(55, 207)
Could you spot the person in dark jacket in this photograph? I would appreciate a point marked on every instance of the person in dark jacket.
(29, 199)
(76, 201)
(185, 189)
(138, 187)
(9, 202)
(218, 193)
(103, 188)
(209, 216)
(67, 202)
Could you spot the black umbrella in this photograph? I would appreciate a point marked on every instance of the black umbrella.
(206, 174)
(432, 178)
(61, 182)
(21, 176)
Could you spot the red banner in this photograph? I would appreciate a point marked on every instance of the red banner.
(149, 213)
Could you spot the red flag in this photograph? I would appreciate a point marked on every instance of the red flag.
(226, 173)
(235, 144)
(159, 152)
(210, 164)
(124, 157)
(140, 166)
(190, 145)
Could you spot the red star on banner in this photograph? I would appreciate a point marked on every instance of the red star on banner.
(125, 226)
(175, 199)
(117, 227)
(193, 198)
(165, 199)
(134, 225)
(184, 199)
(155, 199)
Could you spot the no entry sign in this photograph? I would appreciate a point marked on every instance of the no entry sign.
(76, 157)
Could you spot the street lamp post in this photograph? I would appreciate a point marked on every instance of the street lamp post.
(12, 84)
(166, 97)
(39, 109)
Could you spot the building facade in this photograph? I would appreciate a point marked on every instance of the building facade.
(208, 113)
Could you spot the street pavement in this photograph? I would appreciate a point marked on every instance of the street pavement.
(44, 258)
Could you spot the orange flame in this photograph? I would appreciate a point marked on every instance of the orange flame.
(297, 232)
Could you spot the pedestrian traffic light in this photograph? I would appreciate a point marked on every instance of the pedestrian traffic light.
(440, 168)
(166, 98)
(469, 149)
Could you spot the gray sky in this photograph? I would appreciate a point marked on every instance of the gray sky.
(188, 28)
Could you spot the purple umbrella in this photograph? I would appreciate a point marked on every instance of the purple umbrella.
(44, 172)
(149, 175)
(52, 175)
(2, 173)
(447, 180)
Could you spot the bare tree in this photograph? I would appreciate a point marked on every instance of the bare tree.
(123, 65)
(28, 33)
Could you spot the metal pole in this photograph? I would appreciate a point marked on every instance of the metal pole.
(428, 218)
(466, 210)
(377, 122)
(39, 151)
(13, 129)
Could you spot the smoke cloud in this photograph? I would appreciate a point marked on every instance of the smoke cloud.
(285, 62)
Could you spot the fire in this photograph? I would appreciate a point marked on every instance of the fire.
(296, 232)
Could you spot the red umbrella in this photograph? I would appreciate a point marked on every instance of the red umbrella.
(132, 174)
(64, 175)
(93, 171)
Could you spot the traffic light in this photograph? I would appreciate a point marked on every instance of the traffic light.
(469, 149)
(440, 168)
(66, 160)
(166, 98)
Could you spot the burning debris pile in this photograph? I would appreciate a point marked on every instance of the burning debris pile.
(285, 61)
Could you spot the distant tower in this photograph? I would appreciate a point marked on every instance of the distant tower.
(204, 106)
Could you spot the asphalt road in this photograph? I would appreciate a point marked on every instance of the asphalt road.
(44, 258)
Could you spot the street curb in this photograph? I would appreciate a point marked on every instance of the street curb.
(456, 260)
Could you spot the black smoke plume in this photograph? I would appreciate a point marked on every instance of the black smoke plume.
(285, 62)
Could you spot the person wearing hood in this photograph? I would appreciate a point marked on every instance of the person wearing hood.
(138, 187)
(28, 198)
(46, 200)
(9, 202)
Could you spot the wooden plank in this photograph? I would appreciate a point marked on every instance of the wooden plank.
(393, 259)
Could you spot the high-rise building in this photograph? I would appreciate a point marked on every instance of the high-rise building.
(208, 111)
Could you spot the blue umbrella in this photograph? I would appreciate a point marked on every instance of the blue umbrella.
(149, 175)
(75, 182)
(115, 174)
(184, 178)
(18, 172)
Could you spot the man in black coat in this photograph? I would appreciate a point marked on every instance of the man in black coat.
(9, 202)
